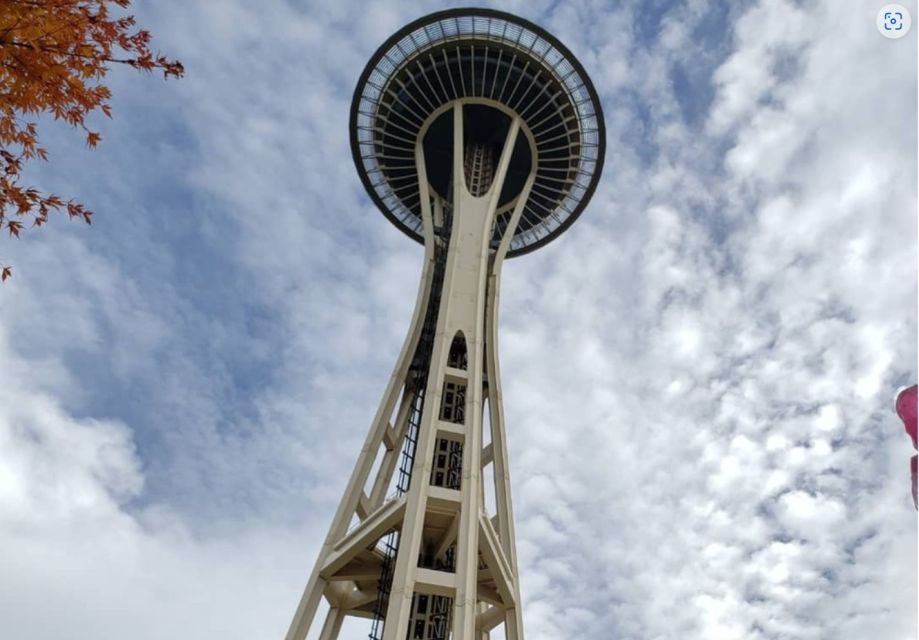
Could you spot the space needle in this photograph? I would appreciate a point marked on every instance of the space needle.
(479, 135)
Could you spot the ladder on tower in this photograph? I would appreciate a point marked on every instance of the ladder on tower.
(389, 545)
(479, 168)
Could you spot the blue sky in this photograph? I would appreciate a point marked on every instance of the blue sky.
(699, 376)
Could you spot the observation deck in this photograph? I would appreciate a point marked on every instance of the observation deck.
(499, 67)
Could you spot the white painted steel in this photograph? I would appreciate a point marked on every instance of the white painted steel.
(468, 304)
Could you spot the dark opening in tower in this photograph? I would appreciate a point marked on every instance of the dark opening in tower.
(447, 466)
(430, 617)
(484, 132)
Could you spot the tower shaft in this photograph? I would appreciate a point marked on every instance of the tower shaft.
(480, 135)
(428, 559)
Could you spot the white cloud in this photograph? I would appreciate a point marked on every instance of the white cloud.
(74, 557)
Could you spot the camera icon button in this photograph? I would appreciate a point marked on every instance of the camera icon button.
(893, 21)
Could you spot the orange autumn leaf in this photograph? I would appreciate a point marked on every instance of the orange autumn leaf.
(53, 57)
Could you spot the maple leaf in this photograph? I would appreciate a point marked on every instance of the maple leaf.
(7, 272)
(53, 56)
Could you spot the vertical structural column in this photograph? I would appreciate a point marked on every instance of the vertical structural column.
(473, 224)
(513, 619)
(332, 624)
(348, 507)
